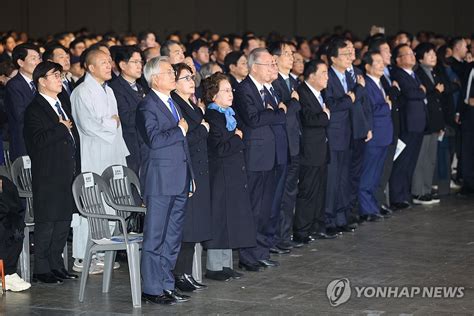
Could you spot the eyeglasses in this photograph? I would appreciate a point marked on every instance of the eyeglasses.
(268, 65)
(136, 62)
(287, 54)
(56, 75)
(226, 90)
(169, 73)
(187, 78)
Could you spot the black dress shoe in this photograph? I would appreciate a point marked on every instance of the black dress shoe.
(400, 206)
(386, 213)
(197, 285)
(285, 245)
(296, 244)
(65, 275)
(333, 231)
(374, 218)
(158, 299)
(48, 278)
(217, 275)
(304, 240)
(249, 266)
(385, 209)
(183, 284)
(279, 251)
(268, 263)
(231, 273)
(178, 297)
(345, 229)
(324, 236)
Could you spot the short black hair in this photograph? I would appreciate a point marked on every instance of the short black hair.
(143, 35)
(334, 46)
(49, 52)
(165, 48)
(311, 67)
(422, 49)
(454, 41)
(76, 41)
(276, 48)
(215, 45)
(368, 58)
(21, 51)
(245, 42)
(231, 59)
(197, 45)
(124, 53)
(43, 68)
(396, 52)
(374, 43)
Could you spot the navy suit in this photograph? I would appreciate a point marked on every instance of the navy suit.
(293, 130)
(376, 148)
(260, 157)
(17, 98)
(165, 180)
(361, 119)
(339, 135)
(127, 101)
(413, 123)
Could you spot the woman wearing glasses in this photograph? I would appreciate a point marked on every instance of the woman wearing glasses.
(232, 220)
(197, 222)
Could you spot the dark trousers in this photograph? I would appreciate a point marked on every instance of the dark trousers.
(355, 172)
(274, 225)
(162, 234)
(338, 188)
(262, 187)
(467, 156)
(288, 200)
(381, 194)
(310, 201)
(50, 239)
(372, 168)
(403, 168)
(184, 263)
(11, 255)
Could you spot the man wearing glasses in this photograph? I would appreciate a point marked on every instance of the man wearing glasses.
(166, 180)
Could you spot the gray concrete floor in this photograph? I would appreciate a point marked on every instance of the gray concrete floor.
(421, 246)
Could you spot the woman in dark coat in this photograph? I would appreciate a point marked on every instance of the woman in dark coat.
(232, 220)
(197, 221)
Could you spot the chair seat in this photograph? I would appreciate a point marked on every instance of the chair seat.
(118, 240)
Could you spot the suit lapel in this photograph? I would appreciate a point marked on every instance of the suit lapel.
(46, 107)
(255, 91)
(163, 108)
(184, 107)
(312, 98)
(126, 86)
(336, 80)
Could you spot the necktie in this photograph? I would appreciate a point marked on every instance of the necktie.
(321, 102)
(353, 76)
(32, 87)
(272, 92)
(381, 89)
(173, 109)
(344, 83)
(104, 86)
(288, 84)
(60, 111)
(386, 74)
(262, 95)
(66, 87)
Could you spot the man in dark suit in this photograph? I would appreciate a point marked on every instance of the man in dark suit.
(20, 91)
(235, 66)
(166, 174)
(376, 148)
(128, 93)
(392, 90)
(58, 54)
(52, 142)
(9, 43)
(339, 98)
(310, 214)
(285, 86)
(361, 119)
(260, 153)
(413, 123)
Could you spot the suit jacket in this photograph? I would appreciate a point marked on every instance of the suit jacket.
(435, 119)
(127, 102)
(233, 82)
(382, 117)
(340, 104)
(279, 130)
(166, 167)
(394, 95)
(54, 160)
(412, 106)
(314, 144)
(17, 98)
(361, 110)
(293, 124)
(259, 138)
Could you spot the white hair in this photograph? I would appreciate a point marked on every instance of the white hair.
(152, 67)
(254, 56)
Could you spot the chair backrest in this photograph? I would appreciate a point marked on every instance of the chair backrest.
(8, 162)
(21, 176)
(120, 180)
(89, 191)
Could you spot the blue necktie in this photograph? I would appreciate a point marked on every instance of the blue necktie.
(321, 102)
(173, 110)
(344, 83)
(262, 95)
(60, 111)
(353, 76)
(272, 92)
(66, 87)
(287, 80)
(32, 87)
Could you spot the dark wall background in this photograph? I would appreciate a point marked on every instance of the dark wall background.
(302, 17)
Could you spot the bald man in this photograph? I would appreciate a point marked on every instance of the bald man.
(94, 109)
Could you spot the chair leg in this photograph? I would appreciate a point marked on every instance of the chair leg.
(2, 272)
(197, 266)
(108, 268)
(86, 263)
(25, 256)
(133, 256)
(66, 257)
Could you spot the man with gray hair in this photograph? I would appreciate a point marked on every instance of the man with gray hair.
(166, 181)
(259, 117)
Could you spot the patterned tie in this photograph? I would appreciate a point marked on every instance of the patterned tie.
(272, 92)
(60, 111)
(262, 95)
(173, 109)
(32, 87)
(66, 87)
(353, 76)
